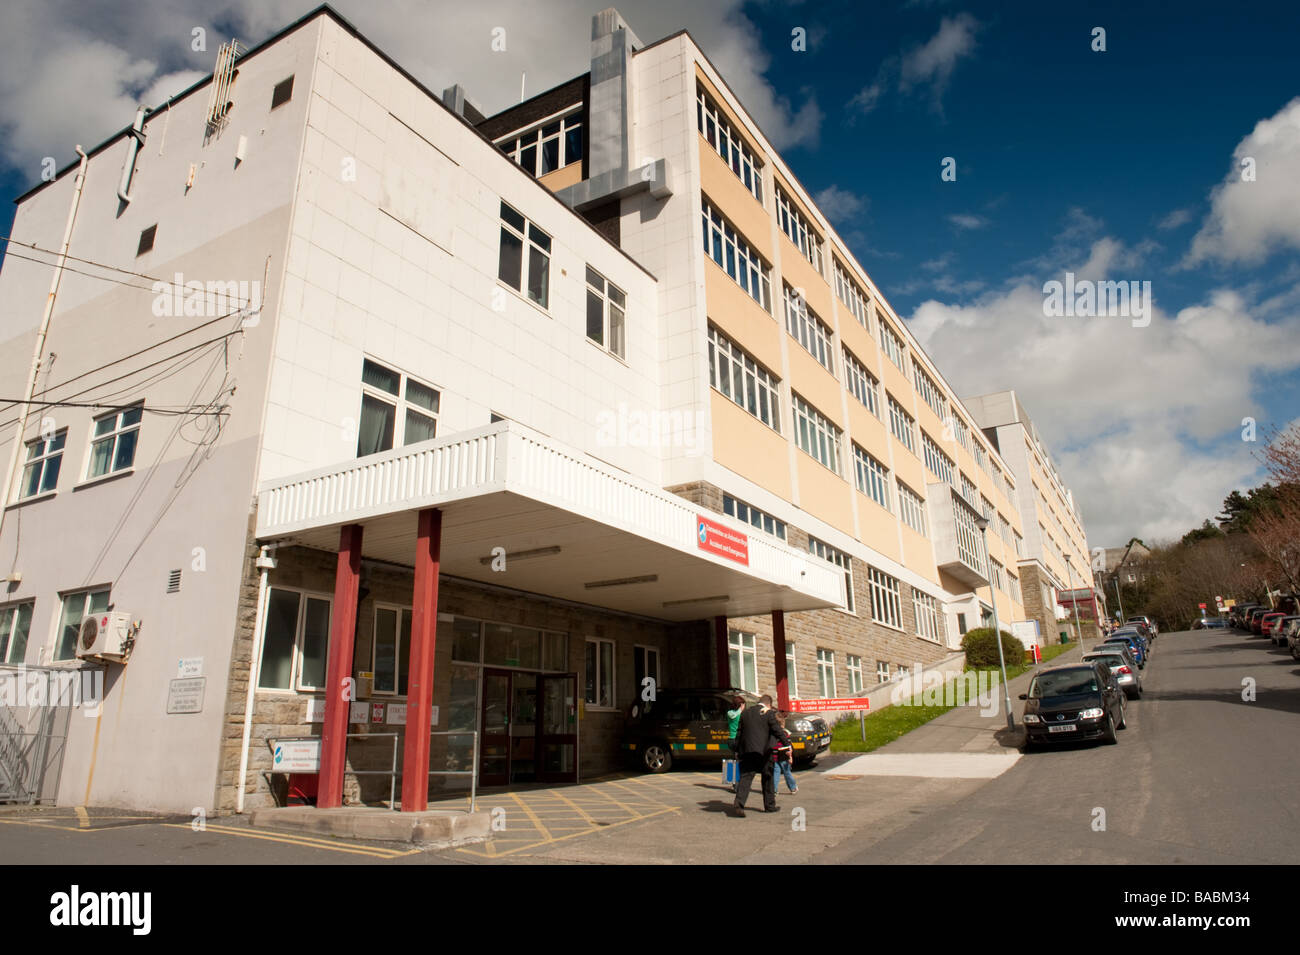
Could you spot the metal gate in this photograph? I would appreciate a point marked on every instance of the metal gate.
(33, 733)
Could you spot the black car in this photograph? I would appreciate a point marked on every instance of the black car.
(692, 725)
(1082, 701)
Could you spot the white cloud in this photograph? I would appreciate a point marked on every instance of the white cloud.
(1137, 418)
(963, 220)
(840, 204)
(865, 100)
(1249, 220)
(73, 73)
(1175, 219)
(933, 62)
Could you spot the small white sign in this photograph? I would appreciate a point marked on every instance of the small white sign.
(358, 713)
(397, 714)
(296, 756)
(315, 710)
(186, 696)
(189, 667)
(433, 716)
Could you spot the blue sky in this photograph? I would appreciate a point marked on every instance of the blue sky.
(1120, 164)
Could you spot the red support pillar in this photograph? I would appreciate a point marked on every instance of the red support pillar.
(721, 654)
(338, 678)
(778, 648)
(424, 632)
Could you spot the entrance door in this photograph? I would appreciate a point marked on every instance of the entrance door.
(494, 744)
(557, 728)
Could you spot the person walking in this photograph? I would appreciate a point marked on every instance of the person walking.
(783, 763)
(759, 726)
(733, 727)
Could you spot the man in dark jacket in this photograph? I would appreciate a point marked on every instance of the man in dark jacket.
(760, 730)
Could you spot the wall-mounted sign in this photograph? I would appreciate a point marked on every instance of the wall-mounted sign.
(397, 714)
(376, 712)
(295, 755)
(188, 667)
(841, 703)
(315, 710)
(721, 540)
(358, 713)
(186, 696)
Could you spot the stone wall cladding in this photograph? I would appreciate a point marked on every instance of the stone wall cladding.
(684, 653)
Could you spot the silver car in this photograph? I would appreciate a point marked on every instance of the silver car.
(1122, 666)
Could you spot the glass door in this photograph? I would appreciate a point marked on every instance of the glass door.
(494, 743)
(557, 738)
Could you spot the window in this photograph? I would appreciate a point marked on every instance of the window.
(113, 442)
(744, 660)
(725, 246)
(926, 610)
(901, 425)
(882, 671)
(396, 410)
(797, 229)
(840, 560)
(968, 489)
(893, 346)
(15, 626)
(391, 649)
(938, 463)
(815, 434)
(791, 671)
(645, 663)
(826, 673)
(752, 515)
(606, 308)
(41, 469)
(807, 329)
(554, 144)
(295, 641)
(861, 383)
(1013, 587)
(885, 605)
(1020, 544)
(872, 477)
(146, 240)
(986, 507)
(529, 274)
(76, 607)
(282, 93)
(968, 536)
(728, 144)
(855, 673)
(981, 457)
(912, 507)
(600, 673)
(996, 570)
(734, 373)
(962, 434)
(929, 391)
(852, 296)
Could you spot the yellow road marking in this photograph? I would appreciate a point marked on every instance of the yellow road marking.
(83, 817)
(303, 842)
(531, 815)
(612, 825)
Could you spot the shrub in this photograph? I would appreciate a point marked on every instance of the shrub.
(982, 649)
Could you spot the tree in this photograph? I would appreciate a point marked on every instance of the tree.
(1206, 531)
(1276, 529)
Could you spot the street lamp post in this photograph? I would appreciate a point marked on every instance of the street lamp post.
(1074, 602)
(1118, 597)
(982, 523)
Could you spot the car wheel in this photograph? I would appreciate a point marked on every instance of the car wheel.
(656, 757)
(1110, 736)
(1123, 715)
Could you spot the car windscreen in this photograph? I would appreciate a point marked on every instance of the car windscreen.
(1063, 683)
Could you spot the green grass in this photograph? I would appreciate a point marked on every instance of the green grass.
(886, 725)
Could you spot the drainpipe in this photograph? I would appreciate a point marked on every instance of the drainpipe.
(41, 335)
(137, 137)
(266, 563)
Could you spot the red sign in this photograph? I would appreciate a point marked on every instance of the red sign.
(376, 712)
(721, 540)
(1202, 606)
(818, 706)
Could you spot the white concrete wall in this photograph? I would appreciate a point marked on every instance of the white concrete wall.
(185, 505)
(400, 265)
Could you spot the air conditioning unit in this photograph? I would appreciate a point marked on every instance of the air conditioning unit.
(106, 636)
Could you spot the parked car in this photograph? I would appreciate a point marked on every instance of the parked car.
(1267, 621)
(1082, 701)
(1252, 618)
(1134, 644)
(1155, 631)
(1293, 640)
(1122, 667)
(1138, 633)
(692, 725)
(1238, 616)
(1277, 635)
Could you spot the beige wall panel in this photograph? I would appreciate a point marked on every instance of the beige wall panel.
(741, 318)
(750, 448)
(728, 195)
(823, 494)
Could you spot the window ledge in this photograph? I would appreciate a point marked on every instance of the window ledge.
(524, 298)
(592, 708)
(43, 496)
(104, 478)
